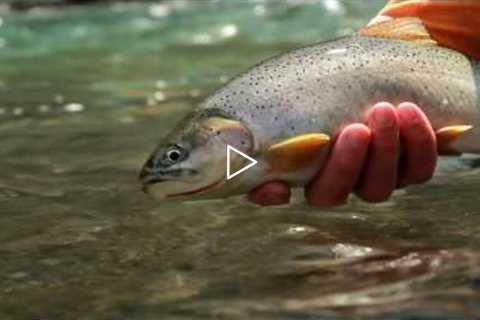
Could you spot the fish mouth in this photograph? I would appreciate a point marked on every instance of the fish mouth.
(195, 191)
(147, 183)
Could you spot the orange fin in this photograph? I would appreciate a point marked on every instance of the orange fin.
(447, 136)
(297, 152)
(409, 29)
(452, 23)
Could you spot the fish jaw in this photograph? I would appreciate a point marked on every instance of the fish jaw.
(204, 181)
(182, 190)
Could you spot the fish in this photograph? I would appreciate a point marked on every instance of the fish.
(286, 111)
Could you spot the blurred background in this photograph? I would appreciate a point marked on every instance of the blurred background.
(87, 89)
(26, 4)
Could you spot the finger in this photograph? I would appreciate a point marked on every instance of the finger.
(380, 174)
(340, 173)
(418, 143)
(270, 194)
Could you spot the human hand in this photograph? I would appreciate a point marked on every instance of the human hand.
(366, 160)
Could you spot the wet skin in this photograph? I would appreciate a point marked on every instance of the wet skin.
(396, 147)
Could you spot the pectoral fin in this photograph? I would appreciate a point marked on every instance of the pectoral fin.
(451, 23)
(297, 152)
(447, 136)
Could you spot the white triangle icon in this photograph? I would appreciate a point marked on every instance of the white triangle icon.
(251, 163)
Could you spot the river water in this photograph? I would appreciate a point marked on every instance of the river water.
(87, 92)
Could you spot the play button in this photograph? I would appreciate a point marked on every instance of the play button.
(251, 162)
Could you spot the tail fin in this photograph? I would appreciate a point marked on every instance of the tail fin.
(452, 23)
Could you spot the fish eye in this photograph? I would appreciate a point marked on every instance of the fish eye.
(174, 154)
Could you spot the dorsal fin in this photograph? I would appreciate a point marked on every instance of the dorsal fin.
(409, 29)
(451, 23)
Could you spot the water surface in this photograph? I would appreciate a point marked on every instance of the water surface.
(85, 95)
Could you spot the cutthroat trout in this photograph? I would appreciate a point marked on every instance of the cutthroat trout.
(283, 111)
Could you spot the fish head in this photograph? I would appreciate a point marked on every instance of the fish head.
(192, 159)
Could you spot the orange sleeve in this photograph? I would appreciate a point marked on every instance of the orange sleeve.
(452, 23)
